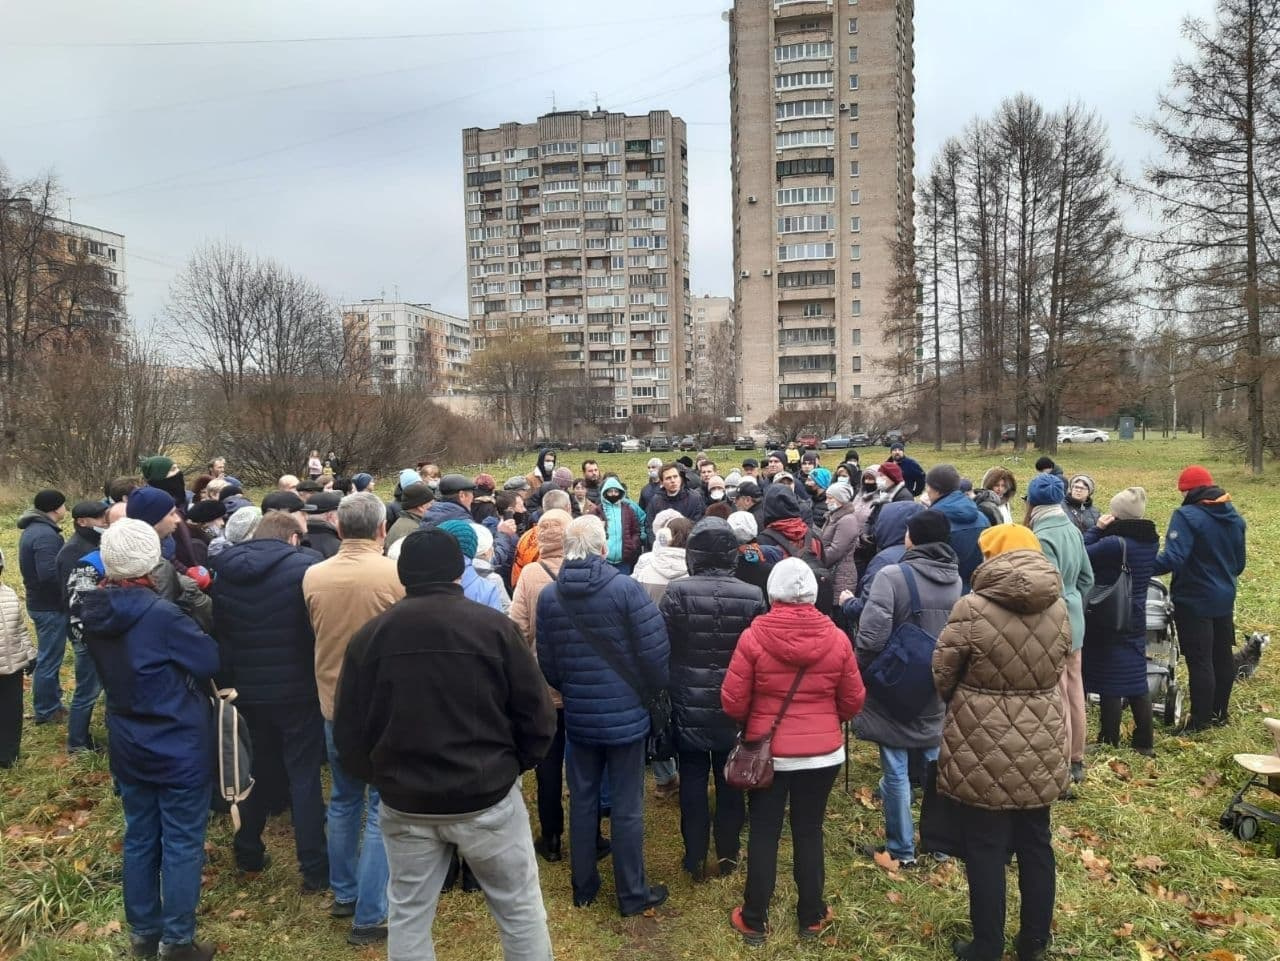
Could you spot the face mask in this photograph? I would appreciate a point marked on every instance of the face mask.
(98, 530)
(833, 506)
(613, 497)
(869, 486)
(653, 476)
(884, 483)
(548, 465)
(717, 494)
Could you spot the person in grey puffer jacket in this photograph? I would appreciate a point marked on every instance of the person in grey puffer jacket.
(1079, 503)
(933, 565)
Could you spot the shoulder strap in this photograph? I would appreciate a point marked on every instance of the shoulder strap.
(779, 541)
(551, 574)
(786, 703)
(909, 576)
(1124, 554)
(606, 649)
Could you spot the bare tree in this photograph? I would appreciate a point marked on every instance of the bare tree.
(519, 372)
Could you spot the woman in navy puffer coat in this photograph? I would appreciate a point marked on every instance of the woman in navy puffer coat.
(1115, 668)
(705, 614)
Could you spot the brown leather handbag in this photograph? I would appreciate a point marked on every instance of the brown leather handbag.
(749, 766)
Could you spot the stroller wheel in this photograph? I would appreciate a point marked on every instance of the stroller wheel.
(1172, 709)
(1246, 827)
(1227, 821)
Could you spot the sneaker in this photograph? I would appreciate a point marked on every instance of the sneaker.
(657, 897)
(144, 947)
(342, 909)
(57, 717)
(750, 935)
(664, 792)
(965, 951)
(811, 932)
(1077, 771)
(728, 866)
(188, 951)
(368, 934)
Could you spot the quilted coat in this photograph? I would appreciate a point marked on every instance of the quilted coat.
(1117, 666)
(997, 665)
(840, 536)
(599, 706)
(16, 649)
(705, 614)
(764, 664)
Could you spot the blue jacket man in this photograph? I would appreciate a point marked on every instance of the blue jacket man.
(593, 607)
(967, 522)
(38, 548)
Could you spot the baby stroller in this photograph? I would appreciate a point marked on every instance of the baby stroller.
(1242, 818)
(1162, 656)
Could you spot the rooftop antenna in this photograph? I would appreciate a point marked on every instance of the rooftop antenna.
(595, 95)
(396, 288)
(553, 101)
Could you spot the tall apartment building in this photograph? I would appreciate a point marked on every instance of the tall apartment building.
(821, 93)
(413, 344)
(714, 363)
(579, 223)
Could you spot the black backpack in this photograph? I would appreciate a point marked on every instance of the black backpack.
(826, 587)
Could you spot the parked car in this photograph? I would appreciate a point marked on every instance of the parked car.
(808, 439)
(1007, 432)
(660, 442)
(631, 445)
(775, 442)
(891, 437)
(836, 442)
(688, 442)
(744, 443)
(860, 440)
(607, 445)
(1085, 435)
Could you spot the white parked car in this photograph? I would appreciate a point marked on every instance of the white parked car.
(631, 445)
(1085, 435)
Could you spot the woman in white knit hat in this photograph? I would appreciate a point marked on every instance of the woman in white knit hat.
(155, 665)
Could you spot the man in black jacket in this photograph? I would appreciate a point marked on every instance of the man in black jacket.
(89, 520)
(705, 614)
(264, 634)
(322, 525)
(674, 494)
(38, 548)
(441, 706)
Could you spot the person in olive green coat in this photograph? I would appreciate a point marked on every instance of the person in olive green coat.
(1064, 546)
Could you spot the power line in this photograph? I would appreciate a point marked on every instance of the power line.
(360, 38)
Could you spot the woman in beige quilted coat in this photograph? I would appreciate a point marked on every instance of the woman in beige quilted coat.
(997, 665)
(16, 652)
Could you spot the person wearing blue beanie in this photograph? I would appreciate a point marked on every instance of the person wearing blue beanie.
(362, 482)
(1044, 489)
(474, 587)
(409, 476)
(152, 506)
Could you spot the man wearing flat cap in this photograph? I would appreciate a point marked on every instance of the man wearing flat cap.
(441, 707)
(455, 494)
(38, 548)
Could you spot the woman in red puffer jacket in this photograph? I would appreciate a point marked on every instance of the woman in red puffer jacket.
(808, 747)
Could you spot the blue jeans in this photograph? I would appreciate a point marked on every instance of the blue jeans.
(357, 871)
(164, 830)
(51, 646)
(88, 687)
(895, 792)
(585, 767)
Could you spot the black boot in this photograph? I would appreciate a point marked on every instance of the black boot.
(549, 846)
(469, 883)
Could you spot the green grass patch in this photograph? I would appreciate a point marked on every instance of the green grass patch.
(1144, 871)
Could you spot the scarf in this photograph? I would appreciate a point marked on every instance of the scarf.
(1041, 511)
(793, 529)
(1206, 495)
(613, 528)
(1137, 529)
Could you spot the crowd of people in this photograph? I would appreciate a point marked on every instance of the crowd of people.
(433, 648)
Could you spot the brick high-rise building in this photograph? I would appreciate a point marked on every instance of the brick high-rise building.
(822, 119)
(579, 223)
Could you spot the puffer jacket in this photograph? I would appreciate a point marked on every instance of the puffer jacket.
(967, 524)
(524, 599)
(997, 665)
(155, 665)
(705, 614)
(599, 706)
(16, 649)
(840, 536)
(1083, 515)
(1117, 666)
(1204, 549)
(1064, 547)
(764, 665)
(262, 625)
(662, 565)
(889, 605)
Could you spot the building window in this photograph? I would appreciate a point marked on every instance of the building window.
(853, 111)
(853, 140)
(857, 390)
(855, 335)
(855, 280)
(855, 168)
(805, 251)
(807, 278)
(855, 363)
(788, 196)
(805, 78)
(855, 225)
(853, 24)
(811, 310)
(805, 166)
(805, 138)
(853, 81)
(792, 109)
(805, 224)
(855, 252)
(853, 52)
(801, 51)
(855, 196)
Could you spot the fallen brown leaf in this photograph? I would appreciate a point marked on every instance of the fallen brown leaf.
(1150, 862)
(239, 914)
(1226, 884)
(894, 897)
(1211, 779)
(1099, 868)
(1125, 930)
(1122, 770)
(863, 794)
(1222, 954)
(1161, 893)
(886, 861)
(111, 927)
(1210, 919)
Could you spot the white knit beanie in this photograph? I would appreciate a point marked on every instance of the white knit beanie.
(484, 539)
(744, 527)
(792, 582)
(129, 548)
(840, 492)
(241, 525)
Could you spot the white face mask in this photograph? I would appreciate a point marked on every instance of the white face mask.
(653, 476)
(99, 530)
(548, 465)
(833, 506)
(883, 483)
(717, 494)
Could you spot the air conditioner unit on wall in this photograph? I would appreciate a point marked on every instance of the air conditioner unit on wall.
(767, 272)
(745, 273)
(752, 199)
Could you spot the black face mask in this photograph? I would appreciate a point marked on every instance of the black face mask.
(613, 497)
(869, 488)
(175, 487)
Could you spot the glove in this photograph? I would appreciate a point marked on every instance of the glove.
(30, 668)
(202, 577)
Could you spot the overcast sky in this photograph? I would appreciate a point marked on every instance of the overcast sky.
(342, 159)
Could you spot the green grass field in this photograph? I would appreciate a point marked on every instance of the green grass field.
(1144, 870)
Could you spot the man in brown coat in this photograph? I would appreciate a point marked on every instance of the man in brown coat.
(997, 665)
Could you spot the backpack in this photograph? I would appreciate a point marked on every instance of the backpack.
(901, 676)
(826, 586)
(233, 752)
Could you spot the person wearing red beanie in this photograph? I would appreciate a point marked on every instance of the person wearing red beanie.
(1204, 550)
(891, 482)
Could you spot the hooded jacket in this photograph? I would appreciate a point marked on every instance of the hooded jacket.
(480, 589)
(83, 540)
(1064, 547)
(764, 665)
(38, 548)
(840, 536)
(1117, 666)
(659, 568)
(890, 533)
(783, 523)
(261, 623)
(439, 705)
(524, 597)
(441, 511)
(155, 665)
(888, 606)
(705, 614)
(913, 475)
(621, 524)
(1204, 549)
(599, 706)
(967, 523)
(997, 666)
(544, 475)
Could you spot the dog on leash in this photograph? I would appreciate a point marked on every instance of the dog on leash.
(1250, 653)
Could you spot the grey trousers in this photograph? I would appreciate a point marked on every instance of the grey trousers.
(497, 845)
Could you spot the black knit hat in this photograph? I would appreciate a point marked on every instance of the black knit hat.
(48, 501)
(205, 512)
(427, 558)
(929, 527)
